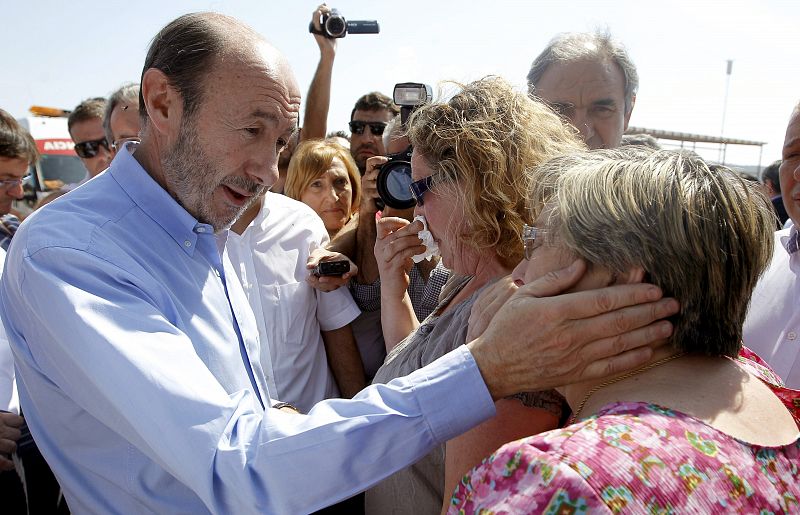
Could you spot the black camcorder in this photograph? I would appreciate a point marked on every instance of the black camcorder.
(394, 177)
(335, 26)
(332, 268)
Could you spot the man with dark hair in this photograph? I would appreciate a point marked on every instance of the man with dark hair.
(85, 124)
(591, 81)
(142, 380)
(17, 153)
(770, 178)
(121, 117)
(16, 142)
(367, 119)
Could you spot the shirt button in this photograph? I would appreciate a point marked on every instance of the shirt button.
(201, 229)
(187, 243)
(792, 335)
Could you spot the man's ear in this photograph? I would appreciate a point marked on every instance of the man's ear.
(164, 104)
(633, 275)
(629, 112)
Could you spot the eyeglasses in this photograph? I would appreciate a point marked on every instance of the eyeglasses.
(418, 188)
(87, 149)
(118, 143)
(10, 183)
(376, 128)
(528, 238)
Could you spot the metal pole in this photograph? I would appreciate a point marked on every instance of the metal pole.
(725, 104)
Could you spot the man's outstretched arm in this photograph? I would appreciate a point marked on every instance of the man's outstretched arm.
(107, 351)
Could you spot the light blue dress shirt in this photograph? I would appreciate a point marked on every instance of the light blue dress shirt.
(139, 372)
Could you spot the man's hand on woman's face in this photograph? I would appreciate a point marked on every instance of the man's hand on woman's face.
(540, 338)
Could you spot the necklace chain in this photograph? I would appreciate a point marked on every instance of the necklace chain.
(627, 375)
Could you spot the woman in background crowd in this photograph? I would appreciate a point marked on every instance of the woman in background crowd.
(323, 175)
(471, 163)
(697, 430)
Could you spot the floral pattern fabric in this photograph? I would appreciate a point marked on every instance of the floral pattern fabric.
(635, 457)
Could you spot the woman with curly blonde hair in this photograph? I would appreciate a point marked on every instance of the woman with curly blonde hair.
(471, 164)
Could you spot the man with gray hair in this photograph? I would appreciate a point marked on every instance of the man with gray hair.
(121, 117)
(590, 80)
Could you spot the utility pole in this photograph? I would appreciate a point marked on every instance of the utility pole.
(723, 147)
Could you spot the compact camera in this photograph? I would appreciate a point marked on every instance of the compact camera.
(394, 177)
(335, 26)
(332, 268)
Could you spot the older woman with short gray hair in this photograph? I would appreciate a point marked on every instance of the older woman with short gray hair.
(704, 427)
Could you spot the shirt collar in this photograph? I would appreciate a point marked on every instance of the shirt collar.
(155, 202)
(793, 242)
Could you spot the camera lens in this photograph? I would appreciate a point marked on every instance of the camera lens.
(394, 184)
(335, 26)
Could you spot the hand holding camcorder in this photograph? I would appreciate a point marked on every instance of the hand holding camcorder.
(334, 25)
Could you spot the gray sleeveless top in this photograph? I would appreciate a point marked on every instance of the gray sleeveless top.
(419, 489)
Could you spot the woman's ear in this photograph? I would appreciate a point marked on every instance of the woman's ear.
(633, 275)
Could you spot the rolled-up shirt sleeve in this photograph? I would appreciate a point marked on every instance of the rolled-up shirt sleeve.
(121, 396)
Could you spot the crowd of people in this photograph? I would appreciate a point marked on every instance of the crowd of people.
(597, 324)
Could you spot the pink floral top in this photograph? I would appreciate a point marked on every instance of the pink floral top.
(634, 457)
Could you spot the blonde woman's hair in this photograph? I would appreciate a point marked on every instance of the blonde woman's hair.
(702, 234)
(487, 139)
(313, 158)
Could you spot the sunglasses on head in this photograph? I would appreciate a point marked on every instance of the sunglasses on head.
(376, 128)
(87, 149)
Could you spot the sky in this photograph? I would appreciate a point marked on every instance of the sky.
(59, 53)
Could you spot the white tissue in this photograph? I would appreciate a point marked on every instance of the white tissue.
(431, 248)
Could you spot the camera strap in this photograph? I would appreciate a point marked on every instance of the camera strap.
(312, 30)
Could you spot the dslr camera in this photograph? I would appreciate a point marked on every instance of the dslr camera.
(394, 178)
(334, 25)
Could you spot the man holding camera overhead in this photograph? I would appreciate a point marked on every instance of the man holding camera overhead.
(371, 113)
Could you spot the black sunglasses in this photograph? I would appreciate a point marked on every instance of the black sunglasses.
(376, 128)
(87, 149)
(418, 188)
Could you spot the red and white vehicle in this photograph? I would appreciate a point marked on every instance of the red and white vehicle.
(59, 165)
